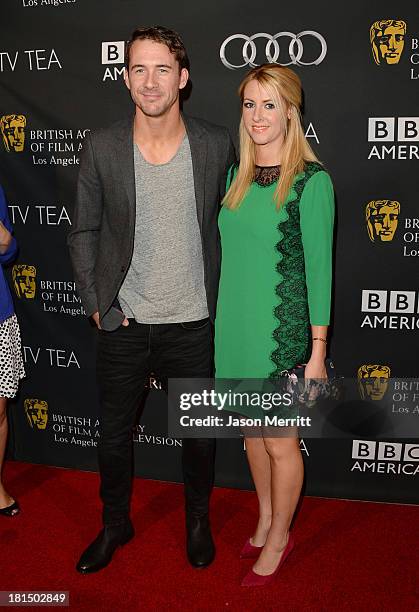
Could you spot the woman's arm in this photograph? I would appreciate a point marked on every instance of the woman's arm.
(8, 246)
(5, 238)
(315, 367)
(316, 220)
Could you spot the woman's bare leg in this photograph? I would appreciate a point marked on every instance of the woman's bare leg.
(5, 499)
(287, 472)
(260, 468)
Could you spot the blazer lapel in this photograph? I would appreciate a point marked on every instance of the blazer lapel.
(124, 145)
(198, 145)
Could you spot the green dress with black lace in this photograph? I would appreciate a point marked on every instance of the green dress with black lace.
(275, 275)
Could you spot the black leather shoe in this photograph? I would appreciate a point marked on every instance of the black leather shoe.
(199, 543)
(99, 554)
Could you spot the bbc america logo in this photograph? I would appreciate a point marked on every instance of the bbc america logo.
(397, 309)
(275, 49)
(113, 52)
(404, 130)
(385, 457)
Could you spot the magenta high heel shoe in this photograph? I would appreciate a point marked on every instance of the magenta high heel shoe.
(249, 551)
(253, 579)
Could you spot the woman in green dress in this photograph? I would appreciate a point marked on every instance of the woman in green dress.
(276, 227)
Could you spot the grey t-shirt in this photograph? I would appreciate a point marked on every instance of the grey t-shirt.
(165, 281)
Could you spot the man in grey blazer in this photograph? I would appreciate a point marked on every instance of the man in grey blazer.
(146, 255)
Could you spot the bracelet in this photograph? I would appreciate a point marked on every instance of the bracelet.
(321, 339)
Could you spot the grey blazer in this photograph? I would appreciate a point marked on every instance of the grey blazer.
(102, 236)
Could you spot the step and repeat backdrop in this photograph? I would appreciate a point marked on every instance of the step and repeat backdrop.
(61, 65)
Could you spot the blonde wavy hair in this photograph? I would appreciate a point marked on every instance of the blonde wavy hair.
(284, 88)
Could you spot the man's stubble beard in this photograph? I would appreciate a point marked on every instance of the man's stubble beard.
(157, 111)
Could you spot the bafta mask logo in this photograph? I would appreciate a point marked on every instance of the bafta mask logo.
(24, 281)
(373, 381)
(13, 132)
(387, 40)
(36, 411)
(382, 217)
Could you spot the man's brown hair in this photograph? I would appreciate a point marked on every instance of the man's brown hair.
(162, 35)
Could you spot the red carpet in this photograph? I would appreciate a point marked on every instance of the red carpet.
(349, 555)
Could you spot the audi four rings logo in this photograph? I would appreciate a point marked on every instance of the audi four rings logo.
(273, 49)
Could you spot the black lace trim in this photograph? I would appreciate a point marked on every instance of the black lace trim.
(265, 176)
(292, 333)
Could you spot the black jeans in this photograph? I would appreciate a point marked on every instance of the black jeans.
(125, 359)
